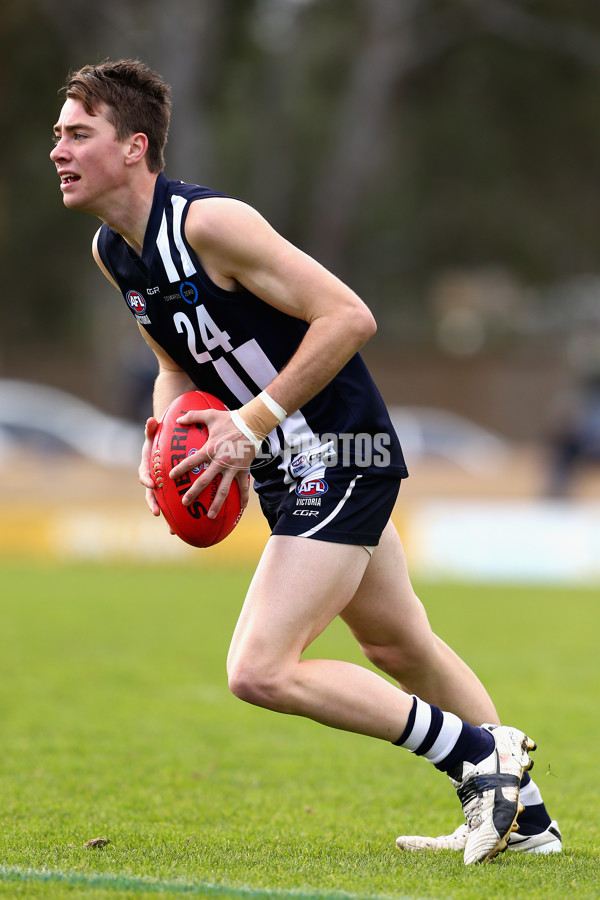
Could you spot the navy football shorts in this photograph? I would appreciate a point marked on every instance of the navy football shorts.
(343, 505)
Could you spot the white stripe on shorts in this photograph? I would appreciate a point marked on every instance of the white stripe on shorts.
(334, 512)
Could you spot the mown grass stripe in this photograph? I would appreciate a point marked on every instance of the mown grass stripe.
(142, 885)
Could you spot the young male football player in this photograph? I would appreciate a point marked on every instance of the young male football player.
(232, 308)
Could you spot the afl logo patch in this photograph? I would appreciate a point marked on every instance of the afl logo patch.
(136, 302)
(312, 488)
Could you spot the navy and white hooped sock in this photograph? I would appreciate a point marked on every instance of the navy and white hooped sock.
(534, 819)
(442, 738)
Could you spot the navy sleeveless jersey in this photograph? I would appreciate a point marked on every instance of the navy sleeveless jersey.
(232, 344)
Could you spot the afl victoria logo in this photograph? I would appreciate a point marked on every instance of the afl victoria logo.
(312, 488)
(136, 302)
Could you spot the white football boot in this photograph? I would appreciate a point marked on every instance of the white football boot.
(547, 841)
(489, 793)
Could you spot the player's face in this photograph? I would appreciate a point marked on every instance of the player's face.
(88, 157)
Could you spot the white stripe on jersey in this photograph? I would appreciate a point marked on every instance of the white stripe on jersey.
(162, 242)
(232, 380)
(179, 204)
(297, 432)
(237, 387)
(257, 364)
(334, 513)
(298, 435)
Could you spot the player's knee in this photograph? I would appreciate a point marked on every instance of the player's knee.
(244, 684)
(255, 685)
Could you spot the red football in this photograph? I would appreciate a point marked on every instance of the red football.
(172, 444)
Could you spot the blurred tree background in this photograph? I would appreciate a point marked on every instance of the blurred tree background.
(441, 156)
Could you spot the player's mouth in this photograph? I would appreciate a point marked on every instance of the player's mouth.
(67, 179)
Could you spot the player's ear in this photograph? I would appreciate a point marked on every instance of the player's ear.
(136, 148)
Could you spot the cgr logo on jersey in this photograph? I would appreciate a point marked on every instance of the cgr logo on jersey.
(314, 487)
(189, 292)
(136, 302)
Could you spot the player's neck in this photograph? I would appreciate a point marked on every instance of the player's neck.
(130, 210)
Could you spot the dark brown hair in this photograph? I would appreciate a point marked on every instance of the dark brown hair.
(137, 100)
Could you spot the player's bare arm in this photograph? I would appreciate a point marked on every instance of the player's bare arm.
(238, 247)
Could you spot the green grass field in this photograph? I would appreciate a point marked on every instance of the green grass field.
(116, 722)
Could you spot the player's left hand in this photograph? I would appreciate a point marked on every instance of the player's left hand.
(227, 452)
(145, 468)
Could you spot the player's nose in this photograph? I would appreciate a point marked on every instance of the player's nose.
(58, 151)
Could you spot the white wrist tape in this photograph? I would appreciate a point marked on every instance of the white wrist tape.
(273, 406)
(243, 427)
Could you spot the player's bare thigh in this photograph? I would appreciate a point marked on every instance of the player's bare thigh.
(299, 587)
(391, 625)
(385, 615)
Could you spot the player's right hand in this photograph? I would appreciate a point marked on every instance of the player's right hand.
(145, 469)
(227, 452)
